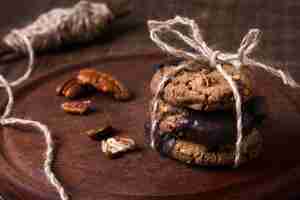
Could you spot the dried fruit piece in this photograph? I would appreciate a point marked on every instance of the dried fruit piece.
(116, 146)
(71, 89)
(76, 107)
(104, 82)
(99, 133)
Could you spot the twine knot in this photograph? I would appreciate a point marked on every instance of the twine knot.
(215, 59)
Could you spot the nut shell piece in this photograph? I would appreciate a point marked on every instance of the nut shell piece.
(100, 133)
(115, 146)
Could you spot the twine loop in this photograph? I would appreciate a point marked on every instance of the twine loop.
(214, 58)
(7, 120)
(82, 22)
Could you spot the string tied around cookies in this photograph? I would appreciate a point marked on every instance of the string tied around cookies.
(215, 58)
(6, 120)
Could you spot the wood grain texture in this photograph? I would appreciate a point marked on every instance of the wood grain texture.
(128, 53)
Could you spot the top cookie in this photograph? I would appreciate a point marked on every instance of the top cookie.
(204, 89)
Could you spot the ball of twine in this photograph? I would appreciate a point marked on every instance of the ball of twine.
(80, 23)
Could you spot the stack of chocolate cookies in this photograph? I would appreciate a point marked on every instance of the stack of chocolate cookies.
(196, 115)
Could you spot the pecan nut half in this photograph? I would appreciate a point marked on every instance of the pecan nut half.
(100, 133)
(104, 82)
(76, 107)
(71, 89)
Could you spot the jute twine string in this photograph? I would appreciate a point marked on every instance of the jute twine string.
(6, 120)
(215, 59)
(82, 22)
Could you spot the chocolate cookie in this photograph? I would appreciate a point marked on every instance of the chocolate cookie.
(198, 154)
(203, 88)
(211, 129)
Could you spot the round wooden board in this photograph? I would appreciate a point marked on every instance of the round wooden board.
(88, 174)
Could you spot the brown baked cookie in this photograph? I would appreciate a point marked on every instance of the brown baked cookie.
(197, 154)
(204, 89)
(211, 129)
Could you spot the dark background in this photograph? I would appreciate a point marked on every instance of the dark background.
(223, 22)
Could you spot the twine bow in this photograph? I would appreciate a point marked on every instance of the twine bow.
(215, 58)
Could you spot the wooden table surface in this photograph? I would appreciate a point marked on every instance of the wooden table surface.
(223, 23)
